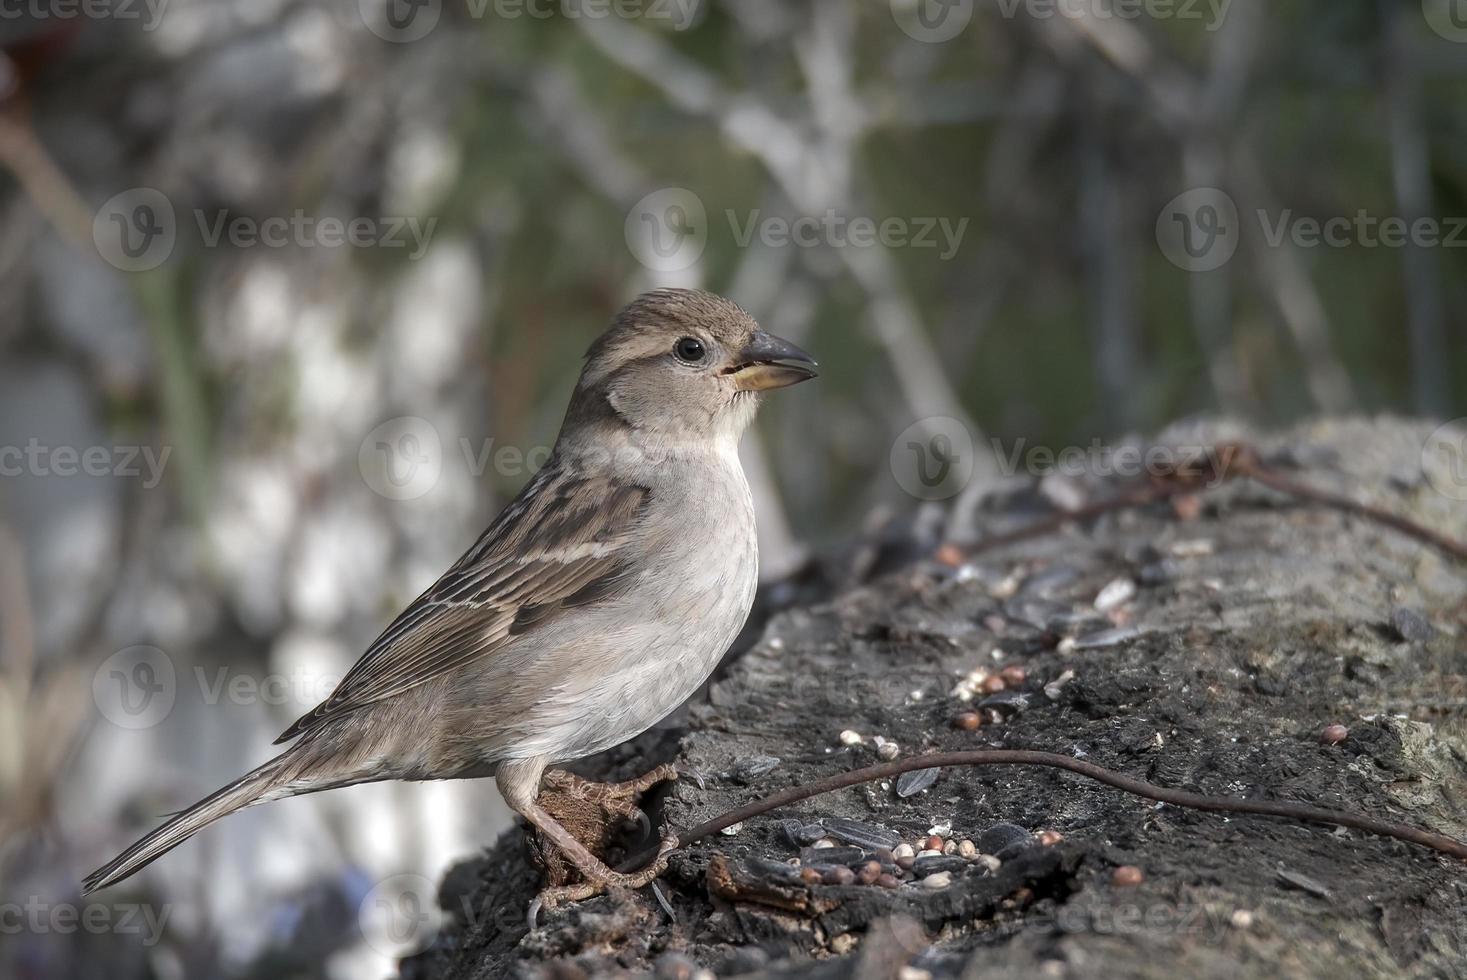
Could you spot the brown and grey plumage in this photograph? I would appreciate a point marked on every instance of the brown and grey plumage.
(598, 601)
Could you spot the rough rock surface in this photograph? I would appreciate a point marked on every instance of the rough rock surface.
(1256, 622)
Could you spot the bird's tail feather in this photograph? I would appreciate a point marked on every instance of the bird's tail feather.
(252, 787)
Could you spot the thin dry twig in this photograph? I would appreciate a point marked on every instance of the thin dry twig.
(1128, 784)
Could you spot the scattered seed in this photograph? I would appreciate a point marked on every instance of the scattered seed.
(1013, 675)
(847, 856)
(940, 880)
(772, 869)
(967, 849)
(1049, 838)
(839, 876)
(1187, 506)
(989, 861)
(869, 872)
(906, 863)
(1053, 689)
(917, 781)
(861, 834)
(888, 881)
(849, 737)
(801, 834)
(1193, 548)
(1004, 703)
(950, 555)
(1127, 876)
(1005, 840)
(929, 852)
(1116, 592)
(1411, 626)
(1106, 638)
(933, 843)
(888, 751)
(967, 721)
(1241, 919)
(938, 862)
(810, 876)
(992, 684)
(824, 842)
(903, 850)
(844, 943)
(1334, 734)
(949, 847)
(1023, 896)
(749, 768)
(732, 829)
(944, 829)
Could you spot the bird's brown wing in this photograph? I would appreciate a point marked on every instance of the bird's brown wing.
(560, 544)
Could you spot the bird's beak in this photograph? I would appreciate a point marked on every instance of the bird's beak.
(769, 362)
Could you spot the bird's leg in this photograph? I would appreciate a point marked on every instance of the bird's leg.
(593, 813)
(591, 808)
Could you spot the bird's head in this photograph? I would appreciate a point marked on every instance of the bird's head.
(684, 365)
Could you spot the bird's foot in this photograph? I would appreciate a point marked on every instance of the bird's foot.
(600, 880)
(594, 813)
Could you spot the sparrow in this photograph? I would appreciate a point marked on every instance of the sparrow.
(599, 600)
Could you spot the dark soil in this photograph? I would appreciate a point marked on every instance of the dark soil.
(1256, 623)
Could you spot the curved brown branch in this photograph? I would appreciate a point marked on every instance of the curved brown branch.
(1128, 784)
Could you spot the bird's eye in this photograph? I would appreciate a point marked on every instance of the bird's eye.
(690, 349)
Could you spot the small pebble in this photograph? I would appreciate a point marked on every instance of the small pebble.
(1127, 876)
(967, 849)
(888, 751)
(849, 737)
(967, 721)
(1013, 675)
(940, 880)
(1334, 734)
(1049, 838)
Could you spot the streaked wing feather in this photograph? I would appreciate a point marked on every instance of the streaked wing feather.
(559, 545)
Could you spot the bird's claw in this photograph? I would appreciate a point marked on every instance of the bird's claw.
(690, 772)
